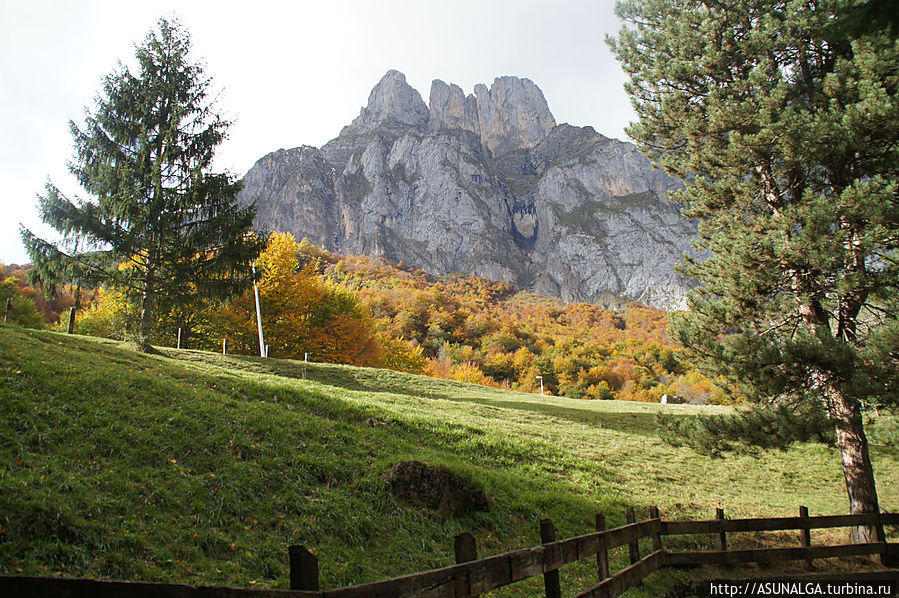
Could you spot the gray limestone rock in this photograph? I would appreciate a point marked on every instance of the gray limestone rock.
(512, 115)
(392, 103)
(509, 116)
(452, 110)
(485, 184)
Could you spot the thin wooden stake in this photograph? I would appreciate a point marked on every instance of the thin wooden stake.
(722, 537)
(303, 569)
(550, 578)
(805, 535)
(602, 553)
(633, 547)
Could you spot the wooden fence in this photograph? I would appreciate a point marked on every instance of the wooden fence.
(472, 576)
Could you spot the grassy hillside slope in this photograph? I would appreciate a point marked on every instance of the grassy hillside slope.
(201, 468)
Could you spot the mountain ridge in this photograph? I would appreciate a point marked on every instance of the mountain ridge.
(488, 184)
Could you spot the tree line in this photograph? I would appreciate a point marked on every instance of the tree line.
(363, 311)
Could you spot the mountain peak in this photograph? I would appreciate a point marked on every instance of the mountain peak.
(452, 109)
(513, 115)
(392, 102)
(510, 115)
(487, 184)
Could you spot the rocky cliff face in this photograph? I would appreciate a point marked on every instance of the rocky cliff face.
(485, 184)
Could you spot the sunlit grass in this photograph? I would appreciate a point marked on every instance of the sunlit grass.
(202, 468)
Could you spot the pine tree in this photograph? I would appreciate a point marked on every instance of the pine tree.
(157, 217)
(783, 118)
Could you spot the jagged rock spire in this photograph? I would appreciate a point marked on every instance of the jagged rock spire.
(511, 115)
(392, 102)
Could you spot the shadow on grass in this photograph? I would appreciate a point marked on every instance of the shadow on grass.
(400, 383)
(333, 477)
(630, 423)
(347, 377)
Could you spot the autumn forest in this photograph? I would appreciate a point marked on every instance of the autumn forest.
(363, 311)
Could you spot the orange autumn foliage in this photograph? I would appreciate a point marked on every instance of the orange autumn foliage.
(300, 313)
(486, 332)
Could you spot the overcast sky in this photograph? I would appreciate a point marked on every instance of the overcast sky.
(290, 73)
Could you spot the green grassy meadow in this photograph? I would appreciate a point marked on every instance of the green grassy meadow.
(200, 468)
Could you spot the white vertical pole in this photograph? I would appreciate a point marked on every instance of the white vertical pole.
(179, 337)
(541, 384)
(258, 314)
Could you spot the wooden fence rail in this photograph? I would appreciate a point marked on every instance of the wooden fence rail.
(472, 576)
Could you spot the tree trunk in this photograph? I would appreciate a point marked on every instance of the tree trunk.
(846, 414)
(148, 303)
(70, 329)
(857, 470)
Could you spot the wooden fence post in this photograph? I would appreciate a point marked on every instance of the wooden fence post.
(722, 536)
(550, 578)
(303, 569)
(602, 553)
(466, 550)
(632, 547)
(656, 536)
(805, 535)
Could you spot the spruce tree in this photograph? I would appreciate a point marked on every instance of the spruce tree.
(783, 119)
(157, 218)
